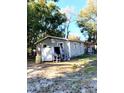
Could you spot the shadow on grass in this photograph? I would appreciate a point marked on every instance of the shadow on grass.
(69, 83)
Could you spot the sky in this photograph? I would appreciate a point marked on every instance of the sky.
(72, 8)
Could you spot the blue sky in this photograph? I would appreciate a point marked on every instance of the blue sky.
(75, 6)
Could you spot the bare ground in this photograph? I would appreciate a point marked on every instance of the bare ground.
(75, 76)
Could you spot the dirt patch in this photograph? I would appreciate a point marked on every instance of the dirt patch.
(62, 78)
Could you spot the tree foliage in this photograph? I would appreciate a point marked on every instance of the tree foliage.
(87, 19)
(43, 18)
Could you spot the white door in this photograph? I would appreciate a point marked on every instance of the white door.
(47, 54)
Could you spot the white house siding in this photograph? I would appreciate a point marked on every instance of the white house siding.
(55, 44)
(71, 48)
(76, 48)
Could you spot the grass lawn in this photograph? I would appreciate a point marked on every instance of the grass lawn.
(87, 57)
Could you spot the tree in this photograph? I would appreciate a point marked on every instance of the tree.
(43, 18)
(70, 12)
(87, 20)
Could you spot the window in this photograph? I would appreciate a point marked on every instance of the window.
(44, 45)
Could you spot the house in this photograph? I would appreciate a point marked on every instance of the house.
(50, 48)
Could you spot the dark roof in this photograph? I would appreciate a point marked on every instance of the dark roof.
(41, 40)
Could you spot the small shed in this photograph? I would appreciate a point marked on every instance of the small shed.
(51, 47)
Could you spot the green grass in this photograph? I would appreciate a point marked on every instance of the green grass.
(30, 61)
(86, 57)
(90, 69)
(91, 57)
(83, 60)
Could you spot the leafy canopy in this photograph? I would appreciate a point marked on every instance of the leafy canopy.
(87, 18)
(43, 18)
